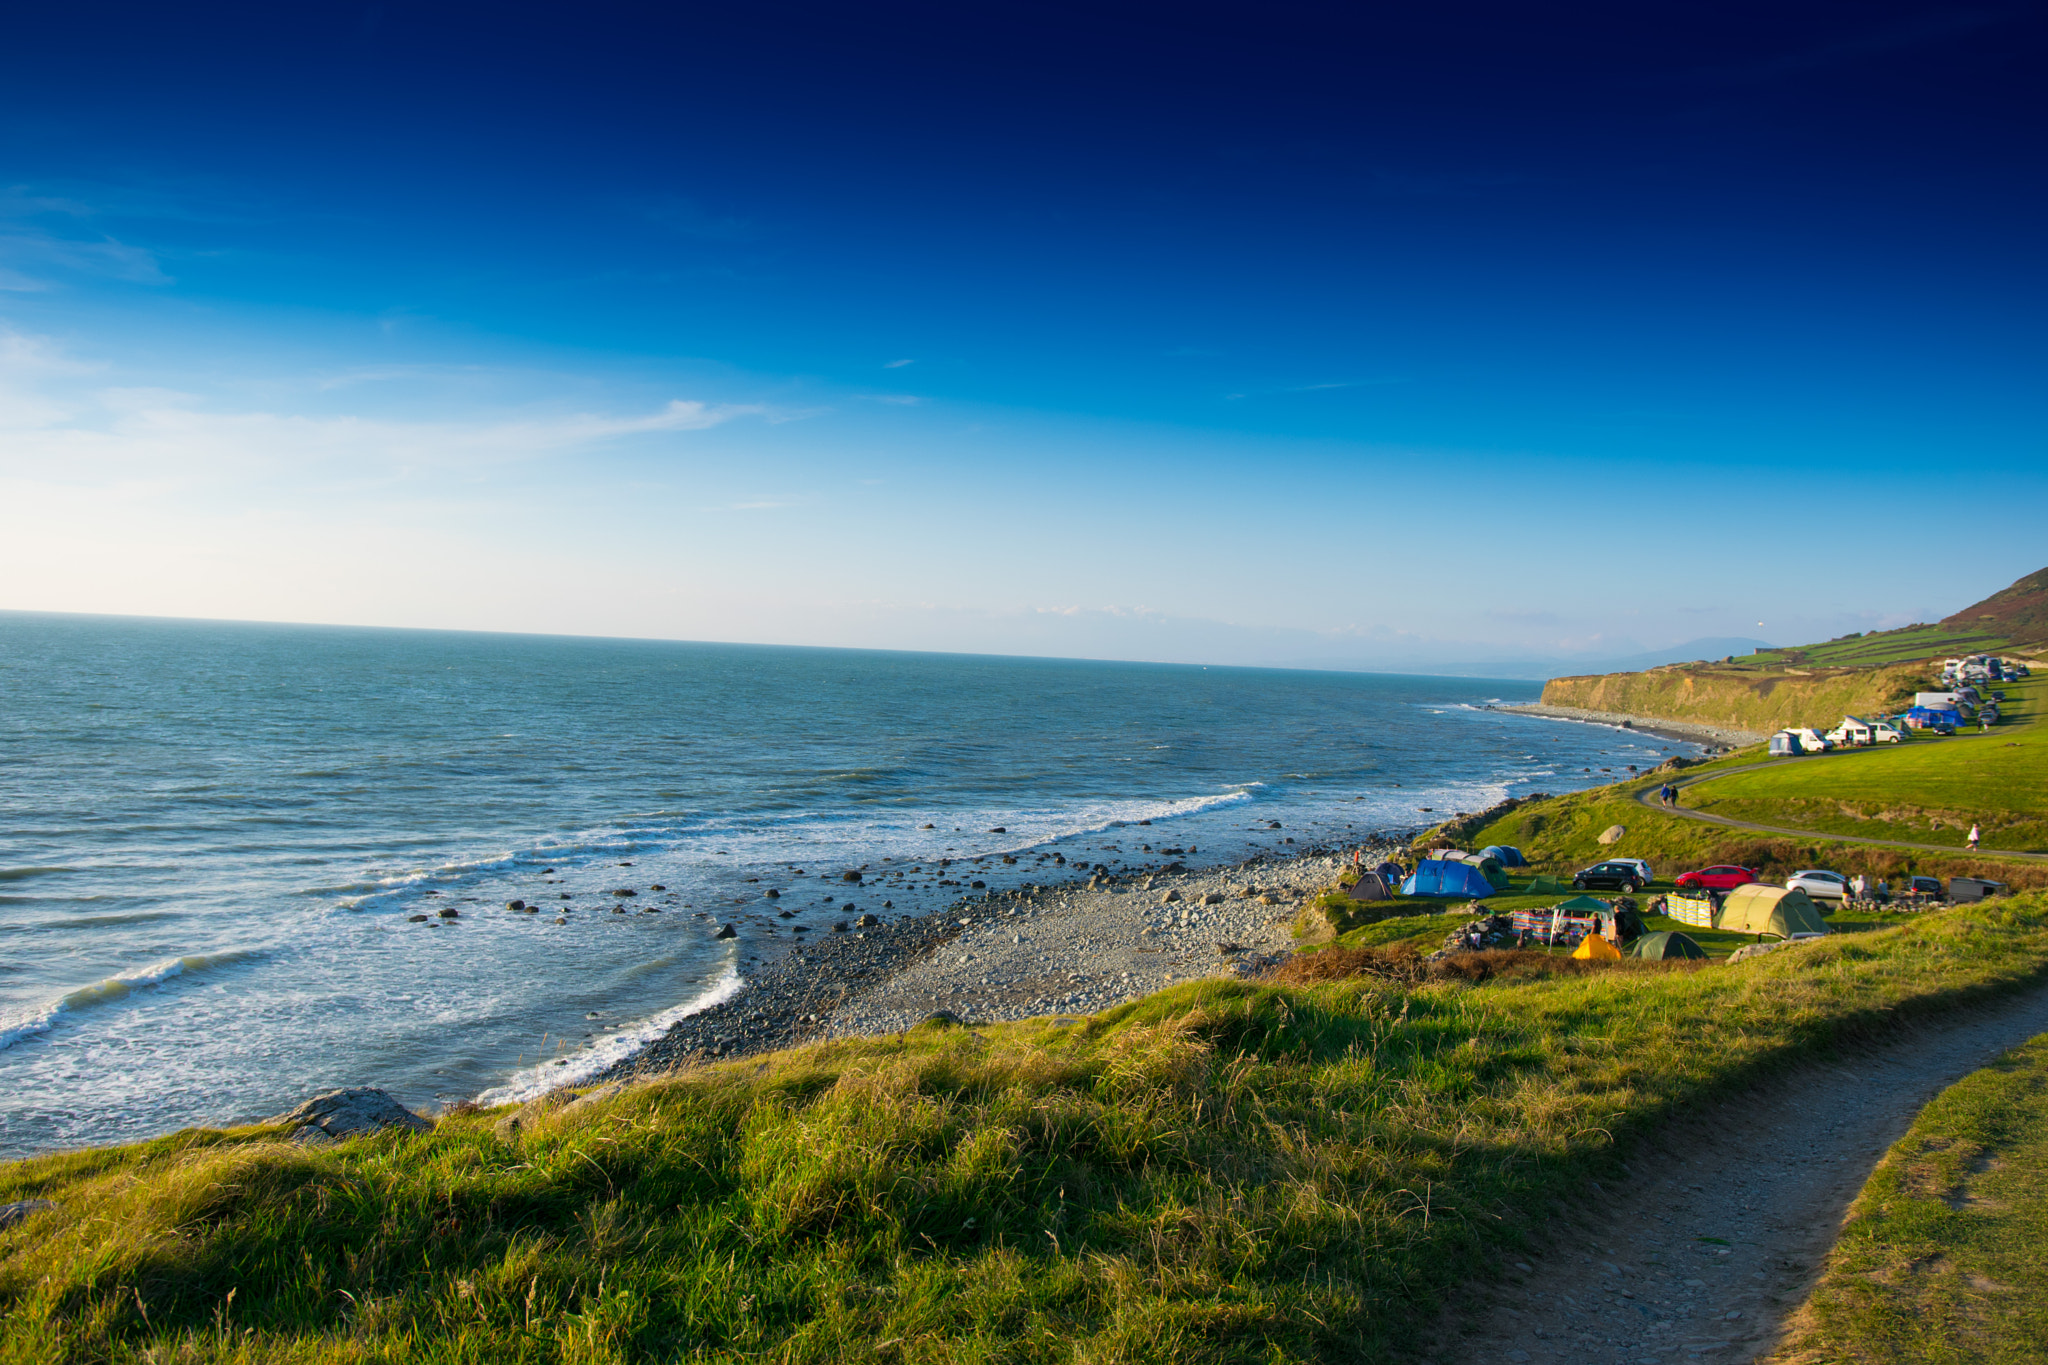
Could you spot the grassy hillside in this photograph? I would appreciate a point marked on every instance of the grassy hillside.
(2019, 612)
(1878, 648)
(1224, 1171)
(1561, 834)
(1742, 698)
(1928, 791)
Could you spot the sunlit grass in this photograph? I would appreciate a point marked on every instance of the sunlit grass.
(1222, 1171)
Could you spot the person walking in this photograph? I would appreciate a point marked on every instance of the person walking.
(1973, 836)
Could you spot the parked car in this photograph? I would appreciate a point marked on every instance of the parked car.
(1962, 890)
(1819, 885)
(1609, 876)
(1923, 888)
(1720, 877)
(1812, 740)
(1641, 865)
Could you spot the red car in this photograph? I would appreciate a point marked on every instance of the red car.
(1725, 877)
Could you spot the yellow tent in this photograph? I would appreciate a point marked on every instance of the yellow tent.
(1760, 909)
(1596, 948)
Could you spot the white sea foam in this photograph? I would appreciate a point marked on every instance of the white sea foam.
(538, 1080)
(108, 990)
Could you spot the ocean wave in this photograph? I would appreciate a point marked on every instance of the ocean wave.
(109, 989)
(538, 1080)
(16, 874)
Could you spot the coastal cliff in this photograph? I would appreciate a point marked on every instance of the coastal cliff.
(1741, 698)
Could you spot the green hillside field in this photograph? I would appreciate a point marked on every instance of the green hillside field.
(1928, 790)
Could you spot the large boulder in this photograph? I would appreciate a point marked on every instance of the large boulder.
(1612, 834)
(348, 1113)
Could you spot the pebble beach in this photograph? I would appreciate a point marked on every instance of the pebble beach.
(1064, 949)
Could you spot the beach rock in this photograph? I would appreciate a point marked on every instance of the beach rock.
(1169, 898)
(727, 931)
(561, 919)
(1213, 898)
(771, 895)
(1612, 834)
(450, 912)
(867, 921)
(340, 1114)
(10, 1214)
(515, 905)
(415, 919)
(625, 891)
(999, 830)
(849, 876)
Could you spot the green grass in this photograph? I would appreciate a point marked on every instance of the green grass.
(1945, 1255)
(1926, 790)
(1881, 647)
(1225, 1171)
(1561, 834)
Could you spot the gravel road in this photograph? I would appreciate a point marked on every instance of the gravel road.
(1722, 1230)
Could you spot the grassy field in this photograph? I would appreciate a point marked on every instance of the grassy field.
(1881, 647)
(1926, 790)
(1562, 834)
(1945, 1256)
(1225, 1171)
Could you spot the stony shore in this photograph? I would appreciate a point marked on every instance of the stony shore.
(1072, 948)
(1687, 731)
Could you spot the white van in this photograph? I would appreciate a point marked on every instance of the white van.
(1811, 741)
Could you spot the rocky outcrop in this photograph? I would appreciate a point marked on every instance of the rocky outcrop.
(340, 1114)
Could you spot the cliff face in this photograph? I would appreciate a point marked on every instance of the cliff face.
(1740, 699)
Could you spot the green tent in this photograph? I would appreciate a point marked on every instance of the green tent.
(1760, 909)
(1665, 945)
(1584, 905)
(1543, 884)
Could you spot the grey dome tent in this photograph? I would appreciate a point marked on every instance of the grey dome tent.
(1370, 886)
(1665, 945)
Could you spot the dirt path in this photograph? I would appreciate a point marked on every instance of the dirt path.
(1720, 1232)
(1648, 797)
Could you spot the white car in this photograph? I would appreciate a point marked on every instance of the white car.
(1639, 865)
(1819, 885)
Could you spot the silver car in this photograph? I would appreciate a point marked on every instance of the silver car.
(1820, 885)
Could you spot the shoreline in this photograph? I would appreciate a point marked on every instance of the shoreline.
(1072, 949)
(1688, 732)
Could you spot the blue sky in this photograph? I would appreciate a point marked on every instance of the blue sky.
(1319, 334)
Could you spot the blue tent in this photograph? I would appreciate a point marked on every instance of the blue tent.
(1509, 855)
(1439, 877)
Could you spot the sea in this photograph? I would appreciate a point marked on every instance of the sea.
(226, 849)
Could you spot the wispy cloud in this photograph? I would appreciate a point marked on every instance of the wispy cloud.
(898, 364)
(62, 426)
